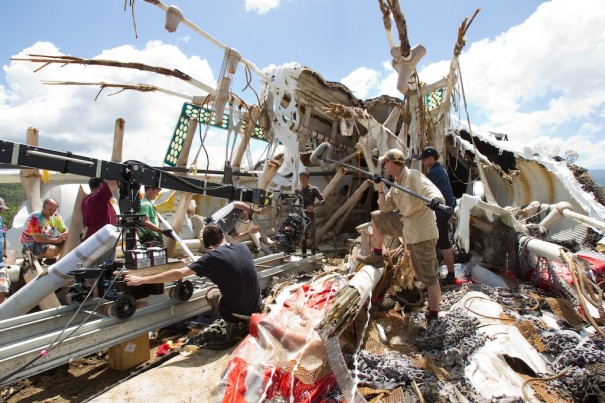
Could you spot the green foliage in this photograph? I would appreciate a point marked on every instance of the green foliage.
(13, 196)
(12, 193)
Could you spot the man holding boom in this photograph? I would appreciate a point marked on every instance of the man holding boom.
(404, 214)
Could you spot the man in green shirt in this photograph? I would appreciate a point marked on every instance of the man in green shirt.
(151, 231)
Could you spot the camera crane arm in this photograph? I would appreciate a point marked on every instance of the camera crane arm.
(132, 173)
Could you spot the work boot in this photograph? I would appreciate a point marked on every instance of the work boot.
(371, 259)
(231, 330)
(449, 279)
(431, 318)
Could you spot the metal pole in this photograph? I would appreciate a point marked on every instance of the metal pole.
(178, 238)
(442, 207)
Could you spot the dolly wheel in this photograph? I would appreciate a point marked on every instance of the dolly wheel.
(73, 298)
(123, 307)
(182, 290)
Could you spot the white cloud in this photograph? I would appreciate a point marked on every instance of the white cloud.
(69, 118)
(261, 6)
(362, 81)
(541, 82)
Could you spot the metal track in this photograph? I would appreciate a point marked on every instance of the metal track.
(36, 342)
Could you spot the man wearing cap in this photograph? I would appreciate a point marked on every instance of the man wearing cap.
(312, 198)
(437, 174)
(402, 214)
(4, 279)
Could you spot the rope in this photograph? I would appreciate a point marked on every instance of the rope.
(386, 15)
(550, 378)
(577, 278)
(134, 22)
(487, 191)
(480, 314)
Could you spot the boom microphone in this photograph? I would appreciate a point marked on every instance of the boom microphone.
(320, 153)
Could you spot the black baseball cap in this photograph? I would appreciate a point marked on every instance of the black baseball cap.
(429, 152)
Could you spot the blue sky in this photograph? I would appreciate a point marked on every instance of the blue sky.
(532, 69)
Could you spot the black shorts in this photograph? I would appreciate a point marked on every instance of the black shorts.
(444, 233)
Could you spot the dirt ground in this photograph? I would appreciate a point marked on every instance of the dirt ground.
(76, 381)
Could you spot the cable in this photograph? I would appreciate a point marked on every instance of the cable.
(180, 179)
(57, 340)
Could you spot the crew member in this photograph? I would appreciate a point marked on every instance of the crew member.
(151, 233)
(402, 214)
(5, 282)
(312, 198)
(437, 174)
(229, 266)
(97, 210)
(45, 232)
(235, 220)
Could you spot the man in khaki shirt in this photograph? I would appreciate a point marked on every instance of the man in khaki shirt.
(403, 215)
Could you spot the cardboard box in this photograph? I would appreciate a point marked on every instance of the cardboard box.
(130, 353)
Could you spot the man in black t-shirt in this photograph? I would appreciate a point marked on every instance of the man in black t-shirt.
(228, 265)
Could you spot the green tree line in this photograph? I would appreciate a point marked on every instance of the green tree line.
(13, 196)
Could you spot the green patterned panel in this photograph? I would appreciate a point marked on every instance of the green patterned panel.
(434, 99)
(189, 111)
(202, 115)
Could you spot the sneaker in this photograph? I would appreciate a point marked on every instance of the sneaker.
(371, 259)
(49, 261)
(449, 279)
